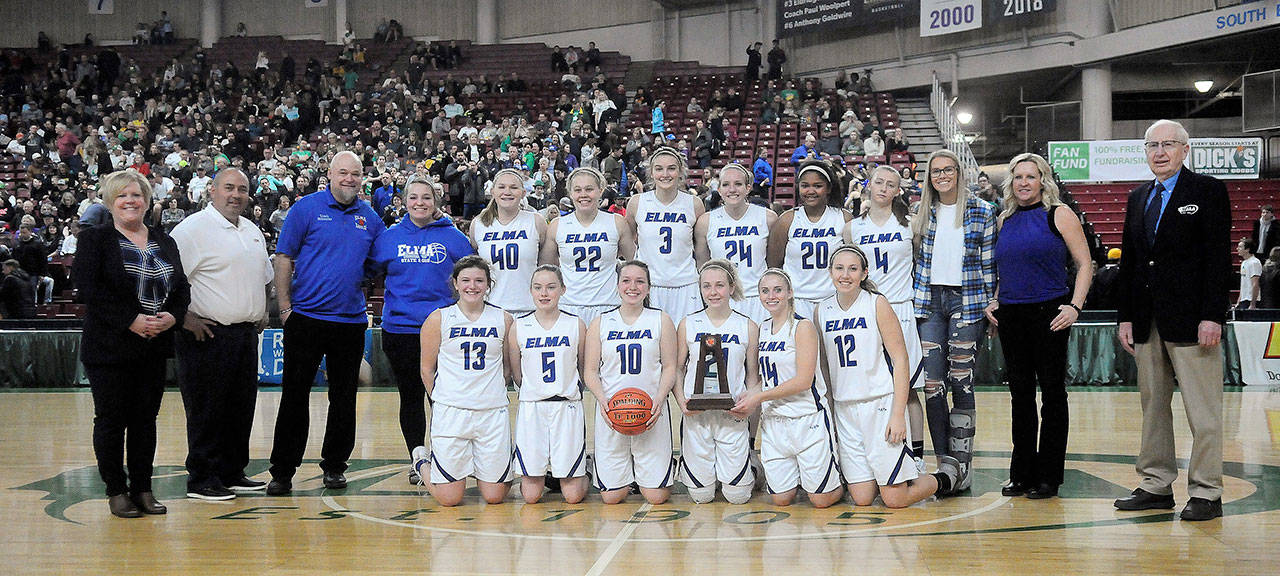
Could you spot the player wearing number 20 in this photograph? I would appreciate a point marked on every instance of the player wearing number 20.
(546, 358)
(663, 224)
(802, 240)
(632, 346)
(510, 239)
(465, 371)
(861, 344)
(587, 245)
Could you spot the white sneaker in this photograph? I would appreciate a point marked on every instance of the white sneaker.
(421, 468)
(920, 467)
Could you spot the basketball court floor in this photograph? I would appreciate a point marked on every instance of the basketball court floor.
(57, 521)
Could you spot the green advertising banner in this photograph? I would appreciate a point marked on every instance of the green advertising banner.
(1125, 160)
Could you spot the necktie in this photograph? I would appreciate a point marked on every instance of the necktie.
(1151, 219)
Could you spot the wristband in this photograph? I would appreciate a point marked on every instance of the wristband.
(286, 311)
(1078, 310)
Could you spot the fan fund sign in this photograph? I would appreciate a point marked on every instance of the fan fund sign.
(1126, 160)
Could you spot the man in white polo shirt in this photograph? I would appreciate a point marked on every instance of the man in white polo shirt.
(225, 258)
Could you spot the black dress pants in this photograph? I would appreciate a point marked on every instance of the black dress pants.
(1036, 356)
(126, 400)
(219, 382)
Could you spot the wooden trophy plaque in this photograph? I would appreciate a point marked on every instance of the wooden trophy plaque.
(711, 367)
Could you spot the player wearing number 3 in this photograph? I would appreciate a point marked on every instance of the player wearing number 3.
(632, 346)
(662, 221)
(464, 368)
(802, 240)
(587, 245)
(510, 239)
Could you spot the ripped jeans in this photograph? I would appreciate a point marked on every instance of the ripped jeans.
(950, 352)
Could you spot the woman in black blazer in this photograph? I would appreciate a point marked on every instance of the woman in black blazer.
(130, 278)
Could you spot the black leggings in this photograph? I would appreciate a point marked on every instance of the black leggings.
(404, 352)
(126, 399)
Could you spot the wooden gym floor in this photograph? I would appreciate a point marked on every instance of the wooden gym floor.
(59, 523)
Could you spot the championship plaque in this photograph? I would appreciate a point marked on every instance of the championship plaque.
(711, 368)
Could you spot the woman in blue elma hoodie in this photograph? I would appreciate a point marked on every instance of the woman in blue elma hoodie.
(417, 256)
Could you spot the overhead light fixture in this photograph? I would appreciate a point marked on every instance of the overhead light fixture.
(1203, 86)
(964, 117)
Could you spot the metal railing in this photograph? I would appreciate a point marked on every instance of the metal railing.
(952, 135)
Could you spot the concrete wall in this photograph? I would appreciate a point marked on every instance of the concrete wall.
(67, 21)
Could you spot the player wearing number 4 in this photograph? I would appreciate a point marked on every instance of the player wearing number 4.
(587, 245)
(509, 238)
(465, 371)
(737, 231)
(546, 358)
(862, 356)
(802, 240)
(662, 221)
(632, 346)
(883, 233)
(715, 445)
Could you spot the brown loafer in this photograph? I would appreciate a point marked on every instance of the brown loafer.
(147, 502)
(122, 507)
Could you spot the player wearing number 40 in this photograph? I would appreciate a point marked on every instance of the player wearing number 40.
(417, 256)
(509, 238)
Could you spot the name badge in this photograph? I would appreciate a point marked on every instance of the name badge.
(1189, 209)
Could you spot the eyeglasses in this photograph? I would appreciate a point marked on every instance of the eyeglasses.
(948, 171)
(1167, 145)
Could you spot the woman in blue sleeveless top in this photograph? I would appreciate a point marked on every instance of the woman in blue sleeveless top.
(1034, 309)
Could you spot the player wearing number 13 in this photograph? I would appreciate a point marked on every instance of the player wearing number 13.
(587, 245)
(509, 238)
(802, 240)
(464, 368)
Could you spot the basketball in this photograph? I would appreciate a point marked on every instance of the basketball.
(628, 410)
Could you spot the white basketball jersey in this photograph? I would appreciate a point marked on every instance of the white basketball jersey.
(548, 358)
(469, 367)
(734, 337)
(513, 250)
(888, 250)
(778, 365)
(664, 238)
(856, 358)
(742, 241)
(809, 248)
(629, 353)
(589, 260)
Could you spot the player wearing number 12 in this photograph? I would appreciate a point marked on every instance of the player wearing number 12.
(802, 240)
(509, 238)
(663, 224)
(587, 245)
(464, 368)
(862, 351)
(632, 346)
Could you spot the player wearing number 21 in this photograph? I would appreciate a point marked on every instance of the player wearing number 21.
(632, 346)
(802, 240)
(587, 245)
(465, 368)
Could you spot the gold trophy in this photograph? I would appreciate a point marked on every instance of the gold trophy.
(711, 367)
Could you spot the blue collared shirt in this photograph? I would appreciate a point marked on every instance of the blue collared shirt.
(329, 244)
(1164, 196)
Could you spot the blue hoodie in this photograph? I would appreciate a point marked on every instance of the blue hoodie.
(417, 263)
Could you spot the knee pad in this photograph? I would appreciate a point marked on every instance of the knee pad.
(702, 495)
(736, 494)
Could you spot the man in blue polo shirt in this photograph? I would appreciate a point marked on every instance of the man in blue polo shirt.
(319, 264)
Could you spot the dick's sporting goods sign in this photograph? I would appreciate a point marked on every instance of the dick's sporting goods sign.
(1126, 160)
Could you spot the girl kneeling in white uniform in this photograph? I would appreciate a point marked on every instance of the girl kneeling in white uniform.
(714, 444)
(864, 358)
(465, 372)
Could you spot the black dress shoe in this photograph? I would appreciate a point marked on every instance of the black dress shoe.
(148, 504)
(1042, 491)
(1013, 489)
(1199, 509)
(279, 487)
(1143, 500)
(335, 480)
(244, 484)
(122, 506)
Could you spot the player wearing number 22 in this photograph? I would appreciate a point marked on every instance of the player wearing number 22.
(587, 244)
(509, 238)
(715, 444)
(632, 346)
(663, 224)
(464, 368)
(862, 344)
(802, 240)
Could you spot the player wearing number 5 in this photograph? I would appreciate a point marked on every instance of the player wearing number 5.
(632, 346)
(587, 245)
(862, 353)
(509, 238)
(802, 240)
(546, 358)
(662, 221)
(417, 256)
(464, 367)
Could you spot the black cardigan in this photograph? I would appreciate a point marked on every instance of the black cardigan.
(111, 299)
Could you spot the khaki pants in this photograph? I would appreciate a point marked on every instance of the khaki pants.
(1199, 373)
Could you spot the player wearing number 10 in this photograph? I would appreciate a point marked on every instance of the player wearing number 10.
(587, 245)
(509, 238)
(464, 367)
(802, 240)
